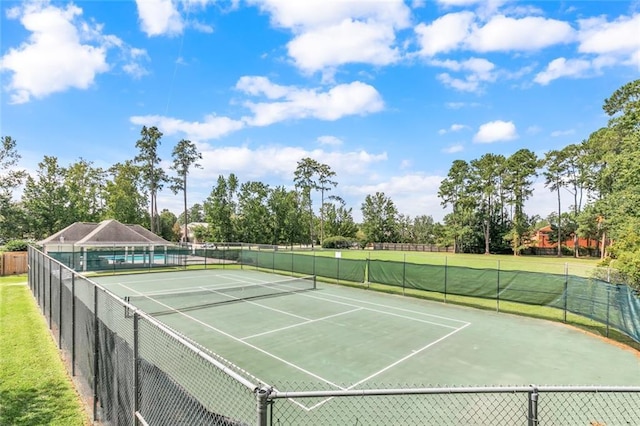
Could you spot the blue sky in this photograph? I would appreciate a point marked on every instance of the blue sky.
(388, 93)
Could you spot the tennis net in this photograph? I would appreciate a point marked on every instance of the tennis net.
(172, 301)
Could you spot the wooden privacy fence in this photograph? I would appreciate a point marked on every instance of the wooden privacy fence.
(13, 262)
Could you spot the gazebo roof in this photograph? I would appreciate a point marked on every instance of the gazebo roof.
(107, 232)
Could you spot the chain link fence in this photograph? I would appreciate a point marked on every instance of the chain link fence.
(132, 370)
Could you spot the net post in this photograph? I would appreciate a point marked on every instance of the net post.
(314, 282)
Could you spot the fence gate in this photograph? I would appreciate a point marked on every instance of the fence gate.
(12, 263)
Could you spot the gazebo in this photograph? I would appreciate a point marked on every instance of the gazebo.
(86, 246)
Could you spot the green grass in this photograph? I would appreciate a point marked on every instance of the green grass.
(547, 264)
(34, 386)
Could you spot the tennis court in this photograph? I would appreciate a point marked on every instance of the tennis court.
(283, 331)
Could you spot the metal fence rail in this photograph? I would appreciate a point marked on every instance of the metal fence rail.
(131, 369)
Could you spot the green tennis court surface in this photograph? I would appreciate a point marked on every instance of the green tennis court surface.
(335, 337)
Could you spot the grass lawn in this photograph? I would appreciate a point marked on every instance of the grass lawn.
(547, 264)
(34, 386)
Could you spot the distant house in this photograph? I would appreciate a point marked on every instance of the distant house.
(541, 240)
(190, 227)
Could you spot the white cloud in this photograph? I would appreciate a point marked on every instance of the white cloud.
(329, 140)
(459, 105)
(346, 42)
(54, 58)
(504, 33)
(562, 67)
(412, 194)
(342, 100)
(453, 128)
(533, 130)
(495, 131)
(619, 38)
(213, 127)
(557, 133)
(478, 70)
(453, 149)
(445, 33)
(464, 30)
(329, 34)
(159, 17)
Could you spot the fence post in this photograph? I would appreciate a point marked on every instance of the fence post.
(533, 407)
(445, 278)
(262, 402)
(608, 287)
(73, 323)
(404, 271)
(96, 351)
(60, 306)
(50, 289)
(498, 289)
(566, 289)
(136, 367)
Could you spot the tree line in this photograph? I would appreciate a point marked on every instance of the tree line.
(485, 197)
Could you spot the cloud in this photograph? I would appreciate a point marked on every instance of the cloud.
(159, 17)
(562, 67)
(445, 33)
(55, 57)
(359, 42)
(619, 39)
(530, 33)
(453, 128)
(464, 30)
(533, 130)
(213, 127)
(288, 102)
(330, 34)
(329, 140)
(496, 131)
(453, 149)
(478, 70)
(459, 105)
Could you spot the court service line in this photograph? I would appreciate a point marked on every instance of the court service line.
(181, 278)
(301, 323)
(377, 310)
(232, 337)
(388, 367)
(383, 306)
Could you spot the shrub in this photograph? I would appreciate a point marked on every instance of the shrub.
(16, 245)
(337, 243)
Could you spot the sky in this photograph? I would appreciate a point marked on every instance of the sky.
(388, 93)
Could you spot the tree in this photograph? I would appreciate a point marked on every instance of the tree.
(124, 199)
(286, 212)
(45, 199)
(325, 183)
(85, 188)
(554, 180)
(305, 182)
(220, 209)
(520, 167)
(185, 154)
(424, 231)
(167, 220)
(379, 218)
(339, 219)
(485, 173)
(254, 221)
(195, 214)
(153, 177)
(454, 193)
(10, 179)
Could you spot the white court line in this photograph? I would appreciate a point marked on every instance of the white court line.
(401, 360)
(182, 277)
(381, 305)
(284, 361)
(301, 323)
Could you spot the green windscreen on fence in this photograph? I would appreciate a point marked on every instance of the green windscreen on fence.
(615, 305)
(327, 267)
